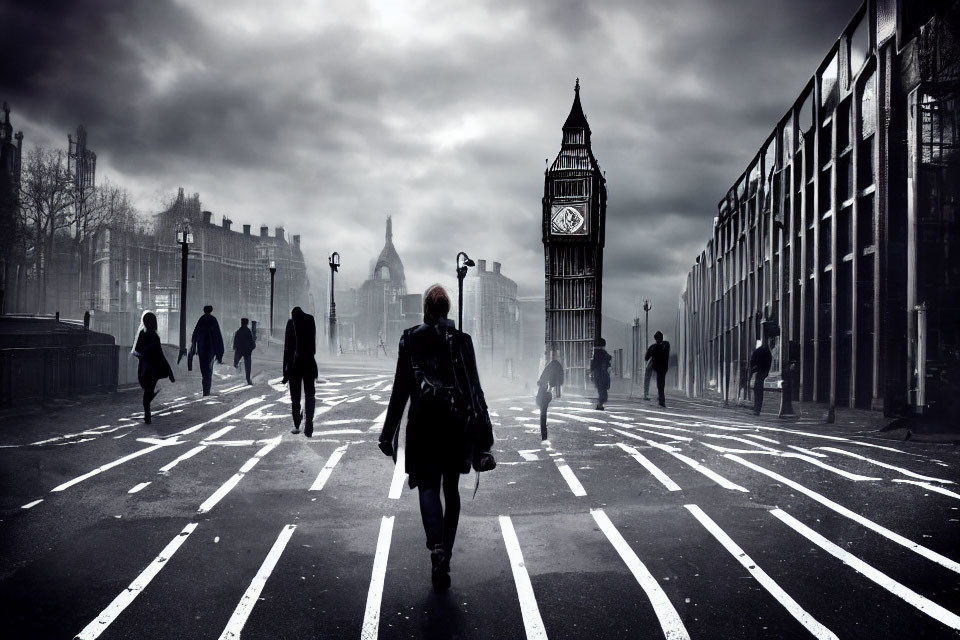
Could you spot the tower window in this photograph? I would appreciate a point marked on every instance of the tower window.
(570, 188)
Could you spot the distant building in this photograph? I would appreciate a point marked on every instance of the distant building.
(491, 316)
(841, 237)
(11, 151)
(574, 213)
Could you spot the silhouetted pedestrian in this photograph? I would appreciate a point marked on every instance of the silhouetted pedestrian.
(153, 365)
(207, 342)
(760, 362)
(448, 427)
(243, 346)
(600, 368)
(550, 378)
(300, 367)
(658, 354)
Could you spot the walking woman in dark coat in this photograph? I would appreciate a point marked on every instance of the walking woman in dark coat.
(448, 427)
(153, 364)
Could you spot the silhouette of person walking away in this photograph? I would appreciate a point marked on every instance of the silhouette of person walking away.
(550, 378)
(208, 345)
(600, 368)
(448, 427)
(658, 354)
(760, 362)
(153, 365)
(300, 367)
(243, 346)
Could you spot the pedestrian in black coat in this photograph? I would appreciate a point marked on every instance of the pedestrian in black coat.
(658, 354)
(600, 368)
(207, 342)
(550, 378)
(153, 365)
(300, 367)
(448, 426)
(243, 346)
(760, 362)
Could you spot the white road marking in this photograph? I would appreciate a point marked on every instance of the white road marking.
(928, 607)
(764, 438)
(885, 465)
(338, 432)
(31, 505)
(371, 615)
(530, 455)
(929, 554)
(652, 468)
(140, 487)
(227, 414)
(328, 468)
(808, 452)
(739, 439)
(228, 486)
(670, 436)
(346, 421)
(396, 485)
(258, 414)
(532, 622)
(575, 417)
(189, 454)
(929, 487)
(110, 465)
(250, 596)
(571, 479)
(791, 605)
(122, 601)
(670, 621)
(217, 434)
(377, 423)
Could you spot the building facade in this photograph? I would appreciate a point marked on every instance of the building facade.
(839, 243)
(574, 214)
(491, 316)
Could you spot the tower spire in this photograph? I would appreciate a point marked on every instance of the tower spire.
(389, 230)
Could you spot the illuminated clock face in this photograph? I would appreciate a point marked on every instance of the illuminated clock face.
(568, 219)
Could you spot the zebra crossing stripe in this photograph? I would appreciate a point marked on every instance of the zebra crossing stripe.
(532, 622)
(396, 485)
(571, 479)
(670, 622)
(900, 470)
(181, 458)
(128, 595)
(925, 485)
(250, 596)
(925, 605)
(328, 468)
(652, 468)
(371, 615)
(818, 630)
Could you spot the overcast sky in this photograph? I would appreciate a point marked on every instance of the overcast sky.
(328, 116)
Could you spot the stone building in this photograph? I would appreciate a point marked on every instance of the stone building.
(491, 315)
(839, 243)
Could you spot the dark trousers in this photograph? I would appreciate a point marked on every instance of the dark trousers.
(543, 420)
(149, 385)
(602, 394)
(661, 381)
(758, 394)
(309, 400)
(440, 521)
(648, 372)
(246, 364)
(206, 372)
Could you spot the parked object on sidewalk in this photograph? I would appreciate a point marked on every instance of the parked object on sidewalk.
(760, 362)
(207, 341)
(550, 378)
(448, 426)
(243, 346)
(600, 368)
(658, 354)
(153, 364)
(300, 367)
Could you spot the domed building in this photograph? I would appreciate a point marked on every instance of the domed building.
(380, 301)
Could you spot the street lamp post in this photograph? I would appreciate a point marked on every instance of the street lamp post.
(646, 338)
(334, 267)
(461, 274)
(184, 239)
(273, 273)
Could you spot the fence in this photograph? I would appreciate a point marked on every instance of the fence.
(36, 374)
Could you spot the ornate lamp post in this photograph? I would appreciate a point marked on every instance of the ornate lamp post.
(334, 267)
(184, 239)
(646, 337)
(273, 273)
(461, 274)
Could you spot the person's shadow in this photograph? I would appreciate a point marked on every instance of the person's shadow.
(442, 617)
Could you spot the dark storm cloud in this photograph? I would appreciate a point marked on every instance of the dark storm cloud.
(329, 120)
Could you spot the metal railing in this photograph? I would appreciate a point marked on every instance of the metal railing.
(37, 374)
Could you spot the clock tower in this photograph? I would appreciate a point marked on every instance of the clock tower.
(574, 213)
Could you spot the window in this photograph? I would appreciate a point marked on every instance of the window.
(829, 90)
(859, 45)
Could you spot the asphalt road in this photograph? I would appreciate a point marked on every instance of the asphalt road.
(689, 521)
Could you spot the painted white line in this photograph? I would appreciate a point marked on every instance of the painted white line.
(122, 601)
(929, 487)
(929, 554)
(670, 621)
(574, 417)
(652, 443)
(670, 436)
(140, 487)
(571, 479)
(928, 607)
(371, 615)
(337, 432)
(250, 596)
(189, 454)
(328, 468)
(396, 485)
(227, 414)
(652, 468)
(716, 477)
(739, 439)
(110, 465)
(764, 438)
(529, 455)
(808, 452)
(217, 434)
(900, 470)
(791, 605)
(31, 505)
(532, 622)
(347, 421)
(228, 486)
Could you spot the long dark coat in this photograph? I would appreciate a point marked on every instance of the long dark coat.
(300, 347)
(243, 343)
(207, 338)
(600, 367)
(153, 364)
(425, 450)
